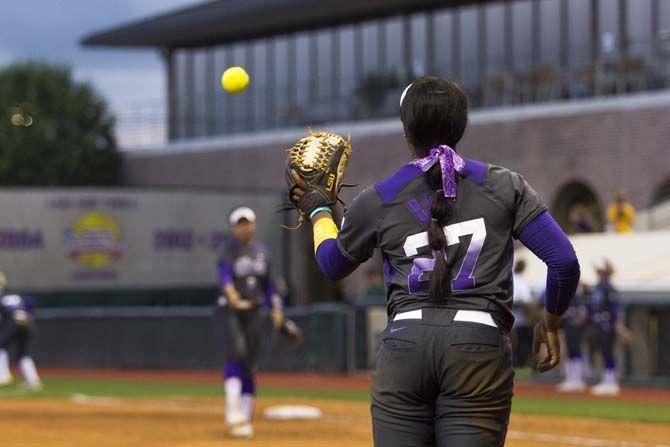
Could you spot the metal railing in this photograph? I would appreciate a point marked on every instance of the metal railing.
(141, 124)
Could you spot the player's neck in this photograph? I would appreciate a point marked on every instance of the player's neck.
(243, 242)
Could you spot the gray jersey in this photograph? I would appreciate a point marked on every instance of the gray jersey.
(493, 205)
(249, 268)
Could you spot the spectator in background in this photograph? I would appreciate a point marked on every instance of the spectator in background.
(621, 214)
(603, 308)
(525, 310)
(575, 322)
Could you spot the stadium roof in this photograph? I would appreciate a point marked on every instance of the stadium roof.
(224, 21)
(640, 260)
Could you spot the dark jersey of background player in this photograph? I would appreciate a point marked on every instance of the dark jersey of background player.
(247, 267)
(17, 324)
(575, 321)
(578, 313)
(493, 206)
(603, 306)
(16, 309)
(17, 328)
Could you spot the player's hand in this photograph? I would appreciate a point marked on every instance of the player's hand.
(235, 300)
(241, 304)
(546, 332)
(625, 334)
(298, 191)
(277, 319)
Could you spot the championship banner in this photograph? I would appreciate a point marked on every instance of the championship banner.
(77, 239)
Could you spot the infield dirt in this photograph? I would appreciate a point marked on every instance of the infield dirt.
(106, 422)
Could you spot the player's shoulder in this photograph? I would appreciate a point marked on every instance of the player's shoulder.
(494, 177)
(259, 247)
(504, 183)
(229, 246)
(500, 174)
(475, 170)
(366, 203)
(389, 189)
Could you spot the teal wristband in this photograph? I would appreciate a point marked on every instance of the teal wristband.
(314, 212)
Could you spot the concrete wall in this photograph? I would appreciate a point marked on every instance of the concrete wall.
(609, 144)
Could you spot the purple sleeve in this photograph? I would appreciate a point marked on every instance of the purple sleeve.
(332, 262)
(271, 294)
(548, 242)
(225, 273)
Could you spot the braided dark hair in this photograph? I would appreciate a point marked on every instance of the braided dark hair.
(434, 112)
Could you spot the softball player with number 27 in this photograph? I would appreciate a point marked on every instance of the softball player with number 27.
(445, 226)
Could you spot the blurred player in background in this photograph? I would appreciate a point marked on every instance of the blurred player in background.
(445, 226)
(17, 328)
(525, 310)
(248, 292)
(575, 323)
(603, 306)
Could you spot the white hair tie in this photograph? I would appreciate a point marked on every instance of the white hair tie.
(402, 97)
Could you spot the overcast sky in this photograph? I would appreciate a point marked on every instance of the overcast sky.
(50, 30)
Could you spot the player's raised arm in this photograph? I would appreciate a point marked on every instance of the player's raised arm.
(340, 252)
(315, 168)
(331, 260)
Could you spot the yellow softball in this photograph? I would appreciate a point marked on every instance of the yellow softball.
(235, 80)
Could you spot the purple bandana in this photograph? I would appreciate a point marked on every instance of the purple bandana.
(450, 163)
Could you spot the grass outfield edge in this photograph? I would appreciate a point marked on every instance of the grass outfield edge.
(593, 408)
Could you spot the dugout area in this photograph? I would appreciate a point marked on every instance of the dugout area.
(338, 338)
(181, 337)
(644, 295)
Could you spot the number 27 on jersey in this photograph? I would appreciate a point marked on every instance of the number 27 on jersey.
(419, 278)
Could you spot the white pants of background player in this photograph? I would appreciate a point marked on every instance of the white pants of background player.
(26, 367)
(239, 406)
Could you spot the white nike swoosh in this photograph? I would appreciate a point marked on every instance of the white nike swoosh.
(396, 329)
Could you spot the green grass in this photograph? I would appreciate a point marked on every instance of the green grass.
(593, 408)
(67, 387)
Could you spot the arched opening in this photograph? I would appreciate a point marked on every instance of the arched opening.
(659, 207)
(577, 208)
(661, 194)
